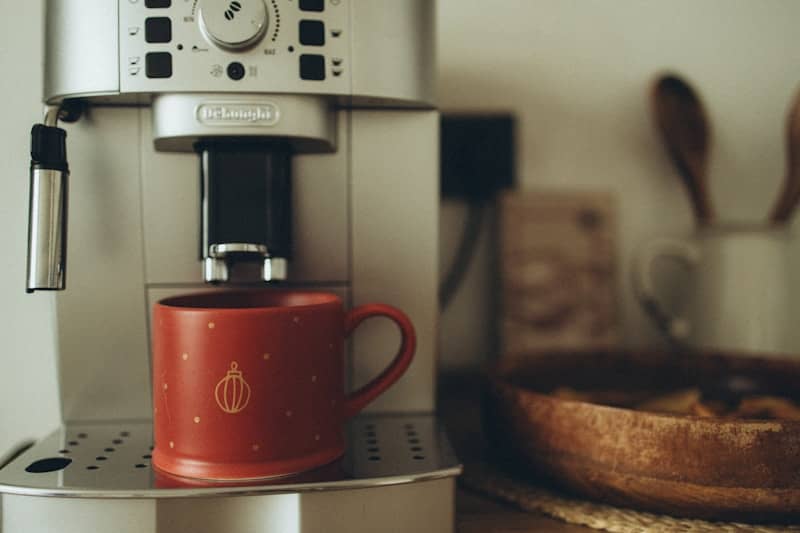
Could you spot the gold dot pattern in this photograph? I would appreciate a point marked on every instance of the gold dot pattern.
(313, 379)
(288, 414)
(166, 386)
(267, 356)
(296, 320)
(171, 444)
(316, 437)
(197, 420)
(185, 356)
(256, 447)
(211, 325)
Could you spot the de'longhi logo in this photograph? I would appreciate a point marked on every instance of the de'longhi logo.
(233, 8)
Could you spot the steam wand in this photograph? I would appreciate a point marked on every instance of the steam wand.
(47, 222)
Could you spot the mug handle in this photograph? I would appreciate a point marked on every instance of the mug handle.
(359, 399)
(687, 254)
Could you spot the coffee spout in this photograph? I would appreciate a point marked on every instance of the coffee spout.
(245, 208)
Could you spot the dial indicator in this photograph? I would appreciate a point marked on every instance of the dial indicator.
(233, 24)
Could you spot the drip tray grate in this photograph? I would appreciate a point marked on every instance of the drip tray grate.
(112, 460)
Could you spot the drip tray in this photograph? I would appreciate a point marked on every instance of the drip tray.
(112, 460)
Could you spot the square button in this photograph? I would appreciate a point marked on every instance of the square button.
(312, 67)
(312, 5)
(312, 32)
(157, 3)
(158, 65)
(158, 30)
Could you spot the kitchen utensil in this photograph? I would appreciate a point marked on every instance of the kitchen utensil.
(790, 193)
(737, 296)
(250, 384)
(684, 128)
(263, 165)
(681, 465)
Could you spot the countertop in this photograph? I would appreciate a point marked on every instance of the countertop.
(459, 398)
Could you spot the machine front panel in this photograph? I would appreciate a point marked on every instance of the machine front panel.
(363, 53)
(197, 46)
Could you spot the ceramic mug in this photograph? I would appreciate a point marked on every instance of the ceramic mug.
(738, 295)
(250, 384)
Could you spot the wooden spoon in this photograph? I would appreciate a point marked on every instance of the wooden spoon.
(681, 119)
(790, 194)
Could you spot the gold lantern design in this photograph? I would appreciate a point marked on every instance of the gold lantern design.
(232, 392)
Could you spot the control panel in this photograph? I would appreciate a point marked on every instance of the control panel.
(292, 46)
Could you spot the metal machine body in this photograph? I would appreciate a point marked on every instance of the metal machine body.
(352, 106)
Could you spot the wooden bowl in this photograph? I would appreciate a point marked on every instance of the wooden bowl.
(710, 468)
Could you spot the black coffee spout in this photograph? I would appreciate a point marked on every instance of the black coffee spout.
(246, 207)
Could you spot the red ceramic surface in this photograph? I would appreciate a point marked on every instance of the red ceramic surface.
(249, 384)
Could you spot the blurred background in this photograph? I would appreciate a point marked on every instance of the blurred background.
(574, 75)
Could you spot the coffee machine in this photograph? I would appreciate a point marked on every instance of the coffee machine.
(215, 143)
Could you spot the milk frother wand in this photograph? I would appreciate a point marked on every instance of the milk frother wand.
(49, 183)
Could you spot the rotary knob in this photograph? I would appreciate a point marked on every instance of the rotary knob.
(233, 24)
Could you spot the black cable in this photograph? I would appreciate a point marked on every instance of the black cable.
(476, 212)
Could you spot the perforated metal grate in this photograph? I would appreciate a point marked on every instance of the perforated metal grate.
(113, 461)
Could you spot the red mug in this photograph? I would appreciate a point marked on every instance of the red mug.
(250, 384)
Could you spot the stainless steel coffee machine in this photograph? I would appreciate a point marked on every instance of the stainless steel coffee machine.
(232, 142)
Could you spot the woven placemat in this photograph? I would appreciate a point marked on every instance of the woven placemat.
(485, 479)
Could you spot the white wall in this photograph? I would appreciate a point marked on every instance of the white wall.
(576, 73)
(28, 404)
